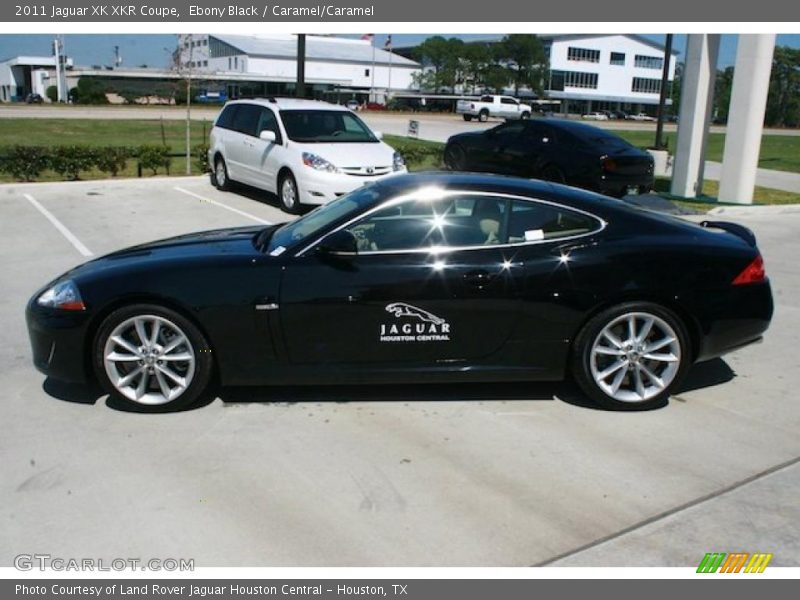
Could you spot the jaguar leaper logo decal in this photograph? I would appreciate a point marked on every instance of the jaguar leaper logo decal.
(413, 324)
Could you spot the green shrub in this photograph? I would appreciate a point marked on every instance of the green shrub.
(24, 163)
(201, 155)
(112, 159)
(52, 93)
(417, 153)
(69, 161)
(154, 158)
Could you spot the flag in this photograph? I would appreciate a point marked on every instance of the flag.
(368, 37)
(388, 43)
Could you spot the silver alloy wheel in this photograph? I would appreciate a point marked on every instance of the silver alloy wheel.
(288, 192)
(220, 174)
(149, 360)
(635, 357)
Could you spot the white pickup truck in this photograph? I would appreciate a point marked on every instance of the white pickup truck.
(502, 107)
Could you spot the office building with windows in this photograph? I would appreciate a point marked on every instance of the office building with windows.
(593, 72)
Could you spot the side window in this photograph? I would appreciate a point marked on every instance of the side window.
(246, 119)
(454, 221)
(508, 130)
(225, 119)
(508, 101)
(268, 122)
(532, 221)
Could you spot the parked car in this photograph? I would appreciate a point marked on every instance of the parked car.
(595, 116)
(305, 151)
(425, 278)
(352, 104)
(640, 117)
(555, 150)
(618, 114)
(34, 99)
(503, 107)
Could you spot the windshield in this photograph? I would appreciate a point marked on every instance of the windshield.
(319, 219)
(325, 126)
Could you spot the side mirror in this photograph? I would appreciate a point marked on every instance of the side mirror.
(268, 136)
(339, 242)
(378, 134)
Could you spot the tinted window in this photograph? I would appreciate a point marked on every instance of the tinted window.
(508, 101)
(246, 119)
(225, 118)
(325, 126)
(508, 130)
(453, 221)
(268, 122)
(534, 221)
(602, 140)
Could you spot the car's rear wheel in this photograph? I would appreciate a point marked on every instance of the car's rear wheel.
(483, 116)
(467, 117)
(455, 158)
(152, 358)
(631, 356)
(220, 173)
(288, 193)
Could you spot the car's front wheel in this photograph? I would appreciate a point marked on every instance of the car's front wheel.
(525, 116)
(289, 195)
(631, 356)
(152, 358)
(483, 116)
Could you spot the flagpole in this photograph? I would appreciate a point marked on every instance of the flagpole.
(372, 85)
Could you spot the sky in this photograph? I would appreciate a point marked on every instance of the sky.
(154, 49)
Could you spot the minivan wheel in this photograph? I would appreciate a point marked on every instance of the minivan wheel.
(631, 356)
(221, 179)
(289, 195)
(151, 358)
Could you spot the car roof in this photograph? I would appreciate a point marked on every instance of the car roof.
(576, 127)
(290, 103)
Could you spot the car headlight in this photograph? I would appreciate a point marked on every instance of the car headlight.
(399, 162)
(63, 295)
(318, 163)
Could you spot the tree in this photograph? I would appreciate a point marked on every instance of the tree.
(441, 56)
(526, 60)
(89, 91)
(722, 93)
(783, 103)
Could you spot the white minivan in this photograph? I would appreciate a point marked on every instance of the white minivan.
(305, 151)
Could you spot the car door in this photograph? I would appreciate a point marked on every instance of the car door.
(492, 155)
(430, 282)
(532, 147)
(509, 108)
(241, 147)
(260, 155)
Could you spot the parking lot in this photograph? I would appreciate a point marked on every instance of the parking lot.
(456, 475)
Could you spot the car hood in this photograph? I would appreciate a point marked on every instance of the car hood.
(345, 155)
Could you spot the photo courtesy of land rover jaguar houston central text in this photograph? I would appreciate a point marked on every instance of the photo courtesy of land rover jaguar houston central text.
(434, 277)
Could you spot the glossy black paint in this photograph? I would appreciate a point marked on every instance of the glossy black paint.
(555, 150)
(516, 324)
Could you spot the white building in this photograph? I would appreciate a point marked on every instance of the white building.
(332, 64)
(606, 72)
(23, 75)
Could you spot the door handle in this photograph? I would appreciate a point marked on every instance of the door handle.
(478, 279)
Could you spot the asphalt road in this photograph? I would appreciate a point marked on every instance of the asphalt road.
(493, 475)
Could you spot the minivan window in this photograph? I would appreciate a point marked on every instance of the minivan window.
(325, 126)
(268, 122)
(246, 119)
(225, 119)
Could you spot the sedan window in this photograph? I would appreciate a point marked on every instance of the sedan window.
(532, 221)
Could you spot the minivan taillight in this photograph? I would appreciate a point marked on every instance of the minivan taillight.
(752, 273)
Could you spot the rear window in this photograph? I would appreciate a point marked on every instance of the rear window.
(534, 221)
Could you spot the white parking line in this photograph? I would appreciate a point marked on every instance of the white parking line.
(60, 226)
(221, 205)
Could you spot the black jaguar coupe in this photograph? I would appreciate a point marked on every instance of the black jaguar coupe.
(431, 277)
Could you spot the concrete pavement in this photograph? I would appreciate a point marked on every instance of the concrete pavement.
(506, 475)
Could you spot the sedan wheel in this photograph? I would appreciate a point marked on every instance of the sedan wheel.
(152, 358)
(289, 194)
(632, 356)
(455, 158)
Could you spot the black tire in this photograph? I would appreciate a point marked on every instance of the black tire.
(525, 116)
(553, 173)
(455, 159)
(467, 117)
(287, 178)
(219, 175)
(198, 386)
(581, 365)
(483, 116)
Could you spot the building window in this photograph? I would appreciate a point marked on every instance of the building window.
(646, 86)
(583, 54)
(572, 79)
(648, 62)
(230, 63)
(366, 72)
(617, 58)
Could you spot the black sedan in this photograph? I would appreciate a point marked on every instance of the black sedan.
(430, 278)
(554, 150)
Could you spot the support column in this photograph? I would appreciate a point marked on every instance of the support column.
(746, 117)
(697, 96)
